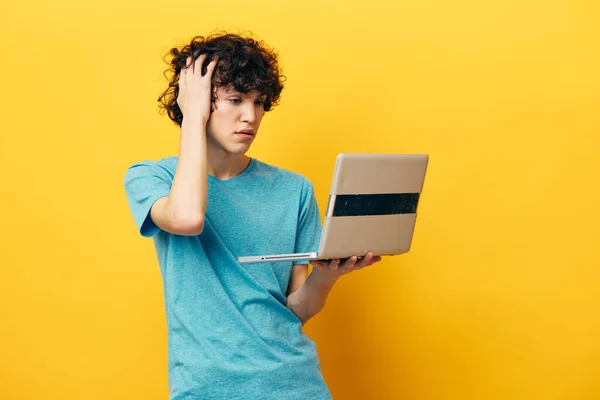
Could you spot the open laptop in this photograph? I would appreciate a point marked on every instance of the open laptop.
(372, 207)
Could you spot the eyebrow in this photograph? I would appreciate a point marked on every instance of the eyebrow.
(233, 91)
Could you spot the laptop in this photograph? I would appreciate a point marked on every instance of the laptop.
(372, 207)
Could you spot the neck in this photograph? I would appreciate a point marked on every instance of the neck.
(227, 167)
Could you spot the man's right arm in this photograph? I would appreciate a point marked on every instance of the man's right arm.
(182, 211)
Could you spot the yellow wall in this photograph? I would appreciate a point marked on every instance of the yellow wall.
(499, 296)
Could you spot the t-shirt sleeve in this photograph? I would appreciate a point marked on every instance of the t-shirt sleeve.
(309, 228)
(145, 183)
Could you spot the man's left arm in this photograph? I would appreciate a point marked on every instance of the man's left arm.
(307, 293)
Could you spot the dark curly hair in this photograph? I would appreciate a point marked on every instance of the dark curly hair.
(244, 63)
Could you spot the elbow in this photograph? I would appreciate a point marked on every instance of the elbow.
(196, 227)
(191, 226)
(178, 220)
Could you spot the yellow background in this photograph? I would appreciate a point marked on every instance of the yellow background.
(499, 297)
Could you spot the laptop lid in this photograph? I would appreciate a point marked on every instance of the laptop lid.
(372, 204)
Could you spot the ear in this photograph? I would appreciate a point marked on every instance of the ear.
(213, 100)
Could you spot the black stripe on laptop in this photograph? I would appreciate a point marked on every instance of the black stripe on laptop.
(352, 205)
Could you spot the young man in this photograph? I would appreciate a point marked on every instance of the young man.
(235, 331)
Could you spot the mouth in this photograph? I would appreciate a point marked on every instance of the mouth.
(246, 135)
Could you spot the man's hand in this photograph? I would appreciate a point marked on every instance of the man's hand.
(195, 90)
(336, 268)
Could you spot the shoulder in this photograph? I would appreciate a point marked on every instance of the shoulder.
(164, 168)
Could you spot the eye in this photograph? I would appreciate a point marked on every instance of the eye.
(260, 102)
(235, 101)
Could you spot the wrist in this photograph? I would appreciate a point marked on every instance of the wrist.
(194, 120)
(324, 277)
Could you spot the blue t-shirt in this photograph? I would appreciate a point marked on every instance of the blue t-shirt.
(230, 333)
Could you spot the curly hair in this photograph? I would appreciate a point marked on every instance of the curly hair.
(244, 63)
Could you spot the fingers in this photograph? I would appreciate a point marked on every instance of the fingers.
(193, 66)
(334, 264)
(369, 260)
(188, 64)
(211, 67)
(364, 261)
(198, 63)
(326, 264)
(193, 69)
(183, 72)
(187, 70)
(347, 265)
(374, 260)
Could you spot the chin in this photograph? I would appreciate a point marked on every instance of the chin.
(239, 150)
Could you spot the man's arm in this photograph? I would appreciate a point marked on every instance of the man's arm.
(307, 293)
(182, 212)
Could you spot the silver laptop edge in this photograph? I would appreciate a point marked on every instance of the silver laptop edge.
(279, 257)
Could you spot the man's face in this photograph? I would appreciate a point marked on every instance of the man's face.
(235, 119)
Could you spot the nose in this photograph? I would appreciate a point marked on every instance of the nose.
(249, 113)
